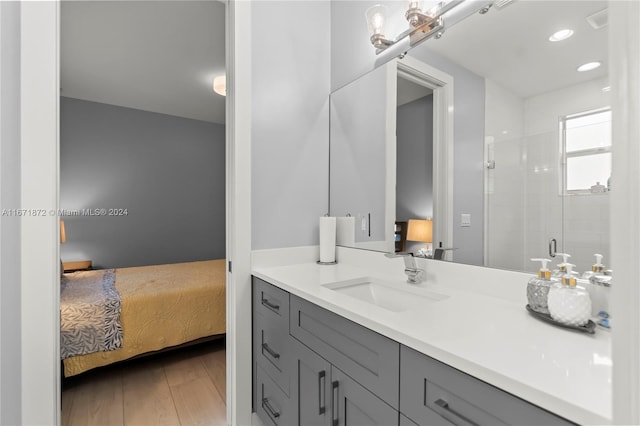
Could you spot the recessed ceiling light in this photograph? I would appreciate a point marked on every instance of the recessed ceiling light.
(220, 85)
(561, 35)
(589, 66)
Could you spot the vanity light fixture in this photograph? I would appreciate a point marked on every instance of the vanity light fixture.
(589, 66)
(423, 24)
(561, 35)
(220, 85)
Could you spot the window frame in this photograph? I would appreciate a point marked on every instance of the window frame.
(564, 155)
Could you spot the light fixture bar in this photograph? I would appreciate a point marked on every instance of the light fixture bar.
(422, 26)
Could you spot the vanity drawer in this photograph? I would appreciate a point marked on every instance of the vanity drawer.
(272, 405)
(271, 302)
(273, 350)
(429, 387)
(368, 357)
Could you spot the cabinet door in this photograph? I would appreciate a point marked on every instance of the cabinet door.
(353, 405)
(311, 392)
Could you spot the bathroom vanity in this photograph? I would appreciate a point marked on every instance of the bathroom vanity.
(347, 344)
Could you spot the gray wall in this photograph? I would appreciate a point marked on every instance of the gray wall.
(353, 55)
(290, 121)
(168, 172)
(10, 294)
(414, 172)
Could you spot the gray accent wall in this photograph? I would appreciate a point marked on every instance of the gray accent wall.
(10, 185)
(353, 55)
(167, 172)
(414, 170)
(291, 71)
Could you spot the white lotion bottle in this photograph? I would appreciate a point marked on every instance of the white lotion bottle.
(569, 304)
(560, 272)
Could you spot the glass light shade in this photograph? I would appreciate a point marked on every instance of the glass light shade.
(420, 230)
(375, 19)
(220, 85)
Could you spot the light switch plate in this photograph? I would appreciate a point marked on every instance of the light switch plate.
(465, 219)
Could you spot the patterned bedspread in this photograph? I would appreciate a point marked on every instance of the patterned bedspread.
(89, 313)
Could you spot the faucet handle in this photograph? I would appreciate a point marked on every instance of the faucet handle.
(409, 261)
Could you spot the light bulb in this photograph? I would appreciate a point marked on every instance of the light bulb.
(375, 19)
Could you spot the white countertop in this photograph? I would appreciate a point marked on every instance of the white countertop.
(491, 338)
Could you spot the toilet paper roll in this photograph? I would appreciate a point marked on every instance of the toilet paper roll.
(327, 239)
(346, 231)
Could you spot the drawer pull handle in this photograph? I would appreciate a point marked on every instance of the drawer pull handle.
(271, 352)
(322, 405)
(269, 409)
(270, 305)
(456, 418)
(334, 403)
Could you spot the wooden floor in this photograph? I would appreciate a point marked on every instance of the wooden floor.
(184, 387)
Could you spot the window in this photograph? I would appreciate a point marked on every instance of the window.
(586, 145)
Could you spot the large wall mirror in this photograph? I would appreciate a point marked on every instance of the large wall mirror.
(492, 132)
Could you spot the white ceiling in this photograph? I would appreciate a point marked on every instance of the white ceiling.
(511, 46)
(158, 56)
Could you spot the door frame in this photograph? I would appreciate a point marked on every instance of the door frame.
(442, 85)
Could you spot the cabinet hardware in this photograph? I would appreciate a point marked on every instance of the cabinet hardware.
(334, 403)
(456, 418)
(269, 409)
(271, 352)
(322, 406)
(553, 246)
(270, 305)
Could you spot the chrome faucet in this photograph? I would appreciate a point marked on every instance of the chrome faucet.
(414, 274)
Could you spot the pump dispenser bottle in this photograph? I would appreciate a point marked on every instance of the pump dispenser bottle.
(596, 269)
(568, 303)
(559, 273)
(538, 288)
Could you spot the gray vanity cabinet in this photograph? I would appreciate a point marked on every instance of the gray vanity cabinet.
(432, 393)
(325, 396)
(311, 392)
(370, 358)
(312, 367)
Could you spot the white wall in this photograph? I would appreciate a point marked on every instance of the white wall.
(10, 351)
(580, 223)
(39, 321)
(504, 199)
(290, 124)
(524, 205)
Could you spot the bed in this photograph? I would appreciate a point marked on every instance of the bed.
(160, 306)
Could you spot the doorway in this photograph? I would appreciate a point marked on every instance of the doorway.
(136, 43)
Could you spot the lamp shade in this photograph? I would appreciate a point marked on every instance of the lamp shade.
(420, 230)
(63, 234)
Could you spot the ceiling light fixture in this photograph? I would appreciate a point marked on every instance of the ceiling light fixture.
(589, 66)
(422, 24)
(220, 85)
(561, 35)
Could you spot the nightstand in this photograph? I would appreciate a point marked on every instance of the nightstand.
(77, 265)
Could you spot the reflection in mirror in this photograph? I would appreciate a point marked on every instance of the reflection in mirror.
(531, 144)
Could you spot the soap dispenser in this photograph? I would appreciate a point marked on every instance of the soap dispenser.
(596, 269)
(559, 273)
(569, 304)
(538, 288)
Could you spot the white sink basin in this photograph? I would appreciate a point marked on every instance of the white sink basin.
(385, 295)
